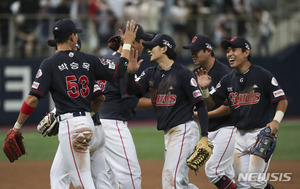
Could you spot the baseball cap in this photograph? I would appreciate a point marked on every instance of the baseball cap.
(160, 39)
(52, 43)
(236, 41)
(199, 42)
(140, 34)
(64, 27)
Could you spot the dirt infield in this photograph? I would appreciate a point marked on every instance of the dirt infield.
(35, 175)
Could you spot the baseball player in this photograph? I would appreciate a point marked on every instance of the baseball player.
(99, 174)
(254, 96)
(69, 75)
(221, 131)
(117, 110)
(174, 93)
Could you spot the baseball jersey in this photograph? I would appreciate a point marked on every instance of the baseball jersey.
(252, 96)
(174, 93)
(118, 104)
(70, 76)
(218, 71)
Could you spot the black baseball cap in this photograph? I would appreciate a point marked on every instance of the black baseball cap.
(52, 43)
(236, 41)
(199, 42)
(160, 39)
(64, 27)
(140, 34)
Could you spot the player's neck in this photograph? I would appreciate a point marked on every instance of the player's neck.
(165, 63)
(64, 47)
(243, 68)
(209, 64)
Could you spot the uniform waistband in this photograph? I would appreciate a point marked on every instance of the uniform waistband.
(71, 115)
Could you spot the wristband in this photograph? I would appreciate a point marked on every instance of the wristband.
(26, 109)
(205, 93)
(278, 116)
(93, 113)
(126, 46)
(17, 125)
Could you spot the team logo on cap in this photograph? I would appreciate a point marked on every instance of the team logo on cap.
(194, 39)
(208, 46)
(167, 43)
(232, 39)
(247, 46)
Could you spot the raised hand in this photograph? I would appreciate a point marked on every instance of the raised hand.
(203, 78)
(134, 65)
(130, 32)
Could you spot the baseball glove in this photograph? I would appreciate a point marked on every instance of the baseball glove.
(201, 154)
(114, 42)
(265, 144)
(48, 126)
(13, 146)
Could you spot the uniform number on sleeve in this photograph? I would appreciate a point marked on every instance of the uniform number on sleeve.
(76, 87)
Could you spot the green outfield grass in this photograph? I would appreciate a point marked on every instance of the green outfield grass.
(150, 145)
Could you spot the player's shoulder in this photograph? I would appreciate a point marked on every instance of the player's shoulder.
(221, 66)
(260, 70)
(181, 68)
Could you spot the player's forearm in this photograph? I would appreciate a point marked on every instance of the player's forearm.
(203, 118)
(29, 104)
(280, 110)
(97, 102)
(219, 112)
(144, 104)
(132, 87)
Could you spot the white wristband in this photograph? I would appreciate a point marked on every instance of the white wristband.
(205, 93)
(127, 46)
(278, 116)
(17, 125)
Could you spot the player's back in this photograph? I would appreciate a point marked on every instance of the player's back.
(116, 94)
(70, 76)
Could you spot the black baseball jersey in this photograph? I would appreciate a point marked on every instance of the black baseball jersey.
(118, 104)
(252, 96)
(70, 76)
(218, 71)
(174, 93)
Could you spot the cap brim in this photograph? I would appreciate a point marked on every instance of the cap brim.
(149, 44)
(192, 47)
(78, 30)
(52, 43)
(225, 43)
(147, 37)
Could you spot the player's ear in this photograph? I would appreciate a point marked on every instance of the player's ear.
(247, 52)
(165, 48)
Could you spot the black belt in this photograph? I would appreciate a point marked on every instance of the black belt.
(70, 115)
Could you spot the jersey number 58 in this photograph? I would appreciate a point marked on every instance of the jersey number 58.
(76, 87)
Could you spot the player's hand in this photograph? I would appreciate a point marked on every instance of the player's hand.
(130, 32)
(274, 126)
(203, 78)
(133, 64)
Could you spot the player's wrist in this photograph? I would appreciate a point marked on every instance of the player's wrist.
(278, 116)
(126, 46)
(17, 125)
(205, 92)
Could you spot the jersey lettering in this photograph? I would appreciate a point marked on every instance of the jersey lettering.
(102, 84)
(162, 99)
(73, 87)
(238, 100)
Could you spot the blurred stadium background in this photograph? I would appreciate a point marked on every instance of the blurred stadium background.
(271, 26)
